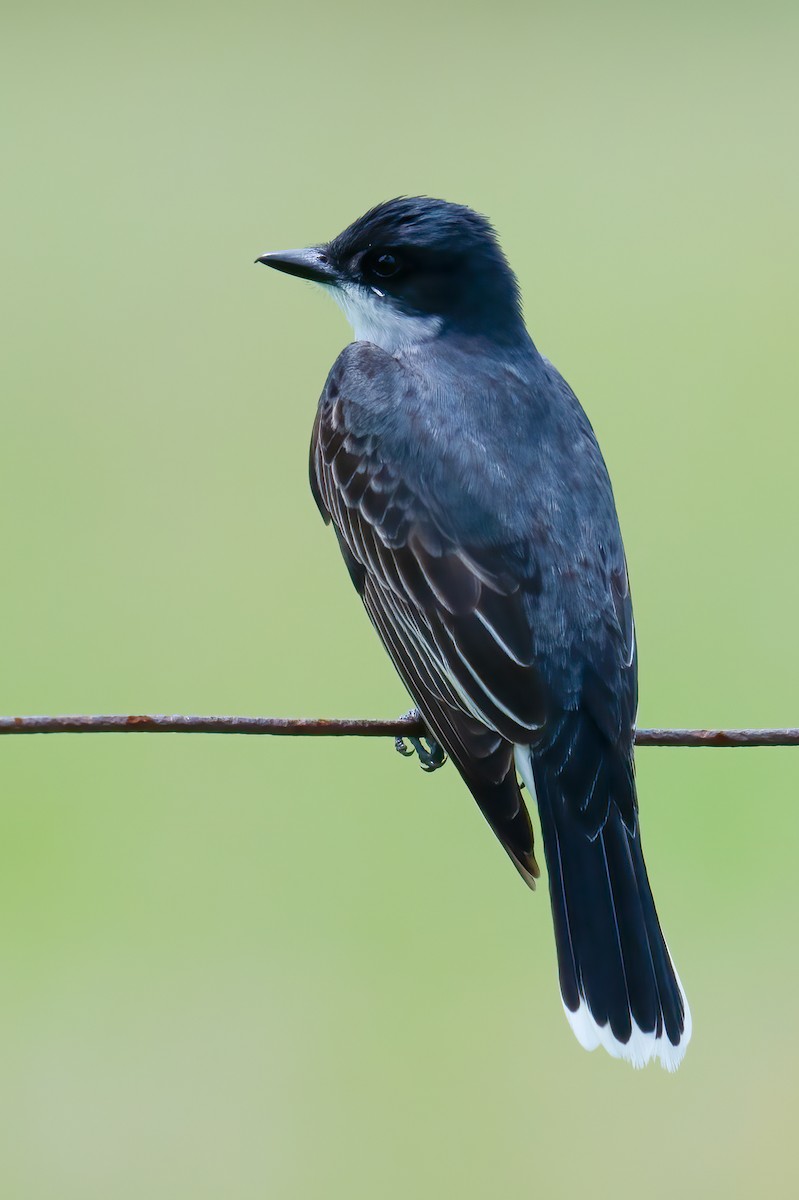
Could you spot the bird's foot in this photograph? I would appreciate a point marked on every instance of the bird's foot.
(431, 755)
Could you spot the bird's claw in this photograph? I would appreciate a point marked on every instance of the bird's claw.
(431, 756)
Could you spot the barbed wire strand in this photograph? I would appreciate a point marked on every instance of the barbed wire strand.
(408, 726)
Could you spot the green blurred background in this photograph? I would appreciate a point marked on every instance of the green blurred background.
(244, 967)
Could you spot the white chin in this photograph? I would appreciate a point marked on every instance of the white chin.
(374, 318)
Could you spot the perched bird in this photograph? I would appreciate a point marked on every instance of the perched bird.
(475, 515)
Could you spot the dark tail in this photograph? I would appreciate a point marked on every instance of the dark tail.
(619, 986)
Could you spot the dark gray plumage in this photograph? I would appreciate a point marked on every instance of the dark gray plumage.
(475, 514)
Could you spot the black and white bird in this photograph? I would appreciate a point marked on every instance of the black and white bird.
(475, 515)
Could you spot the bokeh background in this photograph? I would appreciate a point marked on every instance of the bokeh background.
(246, 967)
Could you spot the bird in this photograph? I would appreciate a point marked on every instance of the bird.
(475, 515)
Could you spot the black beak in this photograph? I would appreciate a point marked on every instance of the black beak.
(311, 264)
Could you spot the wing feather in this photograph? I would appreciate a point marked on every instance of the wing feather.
(464, 739)
(451, 617)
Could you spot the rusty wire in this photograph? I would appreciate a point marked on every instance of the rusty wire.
(407, 726)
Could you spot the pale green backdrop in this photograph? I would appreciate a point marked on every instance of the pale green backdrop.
(252, 968)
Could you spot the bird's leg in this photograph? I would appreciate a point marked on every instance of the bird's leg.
(431, 755)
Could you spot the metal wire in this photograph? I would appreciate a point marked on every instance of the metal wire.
(408, 726)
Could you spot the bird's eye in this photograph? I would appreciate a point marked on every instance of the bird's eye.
(382, 263)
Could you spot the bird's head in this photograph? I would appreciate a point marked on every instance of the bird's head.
(411, 269)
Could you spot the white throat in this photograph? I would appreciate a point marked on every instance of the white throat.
(374, 319)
